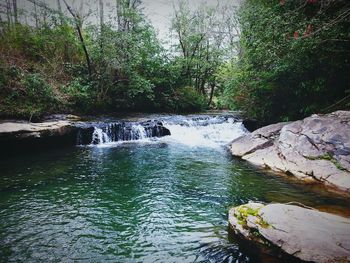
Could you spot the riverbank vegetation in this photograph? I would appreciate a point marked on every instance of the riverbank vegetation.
(275, 60)
(295, 59)
(63, 62)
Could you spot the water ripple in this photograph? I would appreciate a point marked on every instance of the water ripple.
(139, 203)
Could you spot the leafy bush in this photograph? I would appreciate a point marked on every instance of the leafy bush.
(293, 64)
(187, 99)
(25, 94)
(80, 95)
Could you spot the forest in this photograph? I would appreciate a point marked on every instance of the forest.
(175, 131)
(272, 60)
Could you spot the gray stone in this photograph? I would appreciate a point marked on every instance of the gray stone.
(316, 148)
(34, 129)
(307, 234)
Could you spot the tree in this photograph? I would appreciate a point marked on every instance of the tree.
(78, 21)
(15, 11)
(295, 58)
(206, 40)
(9, 12)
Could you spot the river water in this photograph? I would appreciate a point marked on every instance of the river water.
(150, 200)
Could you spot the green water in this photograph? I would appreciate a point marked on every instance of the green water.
(157, 202)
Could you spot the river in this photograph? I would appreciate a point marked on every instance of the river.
(146, 200)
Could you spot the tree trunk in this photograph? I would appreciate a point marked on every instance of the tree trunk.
(78, 26)
(15, 13)
(212, 87)
(101, 92)
(87, 57)
(101, 14)
(36, 14)
(59, 8)
(1, 27)
(8, 12)
(101, 24)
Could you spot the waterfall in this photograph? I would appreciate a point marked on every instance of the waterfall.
(138, 132)
(205, 131)
(195, 131)
(106, 133)
(99, 136)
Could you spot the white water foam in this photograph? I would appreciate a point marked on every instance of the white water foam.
(99, 136)
(201, 132)
(101, 139)
(138, 132)
(213, 134)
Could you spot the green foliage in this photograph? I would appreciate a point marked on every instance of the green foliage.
(25, 94)
(295, 59)
(118, 63)
(242, 212)
(45, 44)
(205, 42)
(130, 69)
(188, 99)
(35, 63)
(80, 94)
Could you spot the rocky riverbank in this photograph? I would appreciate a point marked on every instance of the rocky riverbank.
(17, 136)
(316, 148)
(293, 232)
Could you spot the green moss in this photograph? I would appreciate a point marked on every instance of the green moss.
(328, 157)
(325, 156)
(263, 223)
(242, 213)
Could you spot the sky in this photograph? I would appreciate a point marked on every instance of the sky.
(159, 12)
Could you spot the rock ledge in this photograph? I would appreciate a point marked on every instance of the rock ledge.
(316, 148)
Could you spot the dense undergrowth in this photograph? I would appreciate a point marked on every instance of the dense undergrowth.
(295, 59)
(274, 60)
(64, 65)
(43, 71)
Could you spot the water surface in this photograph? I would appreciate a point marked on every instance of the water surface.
(151, 201)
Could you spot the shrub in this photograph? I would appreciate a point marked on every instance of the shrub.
(80, 94)
(25, 95)
(187, 99)
(293, 64)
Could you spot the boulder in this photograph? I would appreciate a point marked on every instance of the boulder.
(300, 232)
(314, 149)
(17, 137)
(60, 130)
(29, 129)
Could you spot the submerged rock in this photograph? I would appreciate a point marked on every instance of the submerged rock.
(303, 233)
(314, 149)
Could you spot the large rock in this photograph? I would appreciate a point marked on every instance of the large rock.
(316, 148)
(306, 234)
(60, 130)
(25, 130)
(17, 137)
